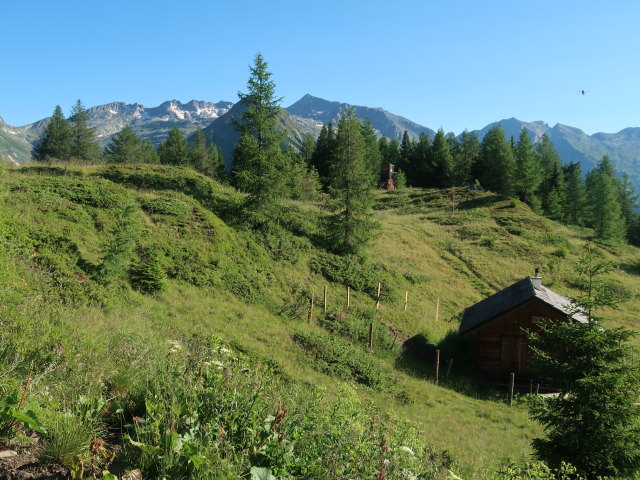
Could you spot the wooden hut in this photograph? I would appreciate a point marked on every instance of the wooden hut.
(388, 176)
(497, 325)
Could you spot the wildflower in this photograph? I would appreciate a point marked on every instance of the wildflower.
(406, 449)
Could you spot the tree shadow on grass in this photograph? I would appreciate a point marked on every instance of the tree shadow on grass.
(418, 357)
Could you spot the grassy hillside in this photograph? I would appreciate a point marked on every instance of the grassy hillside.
(235, 312)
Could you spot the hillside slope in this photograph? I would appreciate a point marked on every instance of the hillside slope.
(73, 233)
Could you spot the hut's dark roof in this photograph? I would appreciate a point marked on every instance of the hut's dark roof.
(512, 297)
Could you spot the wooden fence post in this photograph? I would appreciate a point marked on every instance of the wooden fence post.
(446, 377)
(437, 366)
(325, 300)
(371, 335)
(378, 298)
(406, 299)
(437, 309)
(512, 381)
(311, 310)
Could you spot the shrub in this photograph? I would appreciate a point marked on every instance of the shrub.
(342, 359)
(166, 206)
(356, 272)
(147, 275)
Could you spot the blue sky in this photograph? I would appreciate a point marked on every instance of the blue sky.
(440, 64)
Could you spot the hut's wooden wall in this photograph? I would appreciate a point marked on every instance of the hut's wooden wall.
(501, 345)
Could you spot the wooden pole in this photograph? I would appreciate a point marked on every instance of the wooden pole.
(325, 300)
(406, 299)
(512, 381)
(348, 296)
(437, 366)
(311, 310)
(448, 370)
(437, 309)
(378, 298)
(395, 337)
(371, 335)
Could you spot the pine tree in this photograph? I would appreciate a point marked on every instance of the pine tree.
(84, 146)
(55, 142)
(528, 174)
(575, 194)
(442, 160)
(258, 161)
(124, 147)
(594, 422)
(604, 209)
(174, 150)
(351, 226)
(495, 166)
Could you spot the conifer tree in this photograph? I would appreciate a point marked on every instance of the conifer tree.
(351, 226)
(308, 148)
(421, 172)
(373, 157)
(391, 154)
(442, 160)
(464, 157)
(406, 152)
(528, 174)
(323, 152)
(628, 203)
(55, 142)
(206, 159)
(258, 162)
(124, 147)
(594, 422)
(83, 137)
(174, 150)
(148, 153)
(495, 166)
(575, 194)
(552, 190)
(604, 209)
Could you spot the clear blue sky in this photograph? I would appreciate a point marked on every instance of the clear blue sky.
(453, 65)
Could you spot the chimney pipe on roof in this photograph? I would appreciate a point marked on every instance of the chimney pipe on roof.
(537, 280)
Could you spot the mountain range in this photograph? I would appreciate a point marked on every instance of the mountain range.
(307, 115)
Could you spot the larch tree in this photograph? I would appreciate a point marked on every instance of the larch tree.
(55, 142)
(604, 209)
(495, 166)
(206, 158)
(84, 146)
(124, 147)
(373, 157)
(575, 198)
(259, 163)
(351, 225)
(528, 175)
(442, 160)
(174, 150)
(552, 189)
(464, 157)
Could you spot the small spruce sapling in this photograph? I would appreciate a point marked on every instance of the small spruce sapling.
(594, 422)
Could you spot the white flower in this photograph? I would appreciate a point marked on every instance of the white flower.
(406, 449)
(224, 351)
